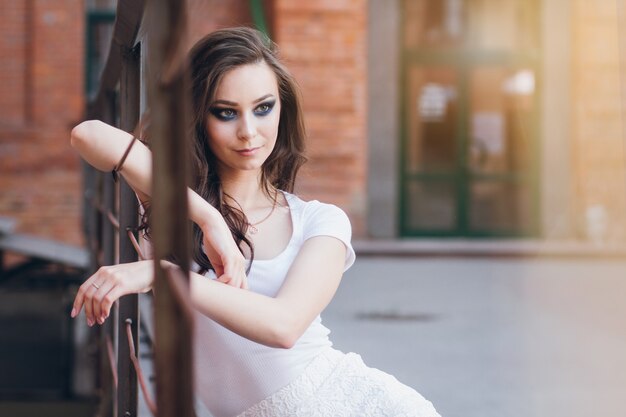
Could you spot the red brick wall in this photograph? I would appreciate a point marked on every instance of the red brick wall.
(13, 49)
(324, 45)
(41, 71)
(205, 16)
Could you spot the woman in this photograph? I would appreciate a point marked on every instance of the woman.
(274, 260)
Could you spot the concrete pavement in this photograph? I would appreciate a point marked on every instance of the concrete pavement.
(492, 337)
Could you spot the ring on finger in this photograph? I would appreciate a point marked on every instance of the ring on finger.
(95, 285)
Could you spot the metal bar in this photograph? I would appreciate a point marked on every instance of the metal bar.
(107, 368)
(108, 197)
(118, 65)
(178, 284)
(105, 210)
(169, 106)
(133, 241)
(112, 361)
(128, 306)
(100, 219)
(112, 220)
(94, 18)
(137, 366)
(91, 218)
(127, 22)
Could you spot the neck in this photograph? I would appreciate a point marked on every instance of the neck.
(245, 188)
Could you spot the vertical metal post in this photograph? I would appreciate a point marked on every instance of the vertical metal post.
(128, 305)
(108, 247)
(90, 221)
(169, 104)
(108, 191)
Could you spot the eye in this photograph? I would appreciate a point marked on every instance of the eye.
(264, 108)
(223, 113)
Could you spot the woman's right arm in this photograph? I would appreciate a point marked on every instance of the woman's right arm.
(102, 146)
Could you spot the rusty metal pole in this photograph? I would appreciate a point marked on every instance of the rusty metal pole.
(108, 247)
(123, 67)
(130, 82)
(169, 105)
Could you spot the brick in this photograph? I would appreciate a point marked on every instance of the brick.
(324, 46)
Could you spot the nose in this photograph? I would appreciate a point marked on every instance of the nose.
(247, 127)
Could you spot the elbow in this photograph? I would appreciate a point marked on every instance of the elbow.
(285, 342)
(286, 335)
(78, 134)
(81, 133)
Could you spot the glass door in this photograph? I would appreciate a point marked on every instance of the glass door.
(470, 118)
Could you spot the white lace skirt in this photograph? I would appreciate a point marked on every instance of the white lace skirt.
(336, 384)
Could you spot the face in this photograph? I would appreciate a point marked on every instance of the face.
(242, 125)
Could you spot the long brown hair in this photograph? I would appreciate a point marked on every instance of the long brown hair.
(210, 59)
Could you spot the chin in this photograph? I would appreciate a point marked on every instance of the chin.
(250, 166)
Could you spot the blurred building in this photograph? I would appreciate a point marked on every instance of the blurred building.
(447, 118)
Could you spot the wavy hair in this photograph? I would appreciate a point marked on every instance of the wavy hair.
(210, 59)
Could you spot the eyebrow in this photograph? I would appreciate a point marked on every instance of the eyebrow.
(232, 103)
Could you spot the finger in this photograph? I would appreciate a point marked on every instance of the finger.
(111, 297)
(242, 279)
(234, 281)
(239, 281)
(98, 312)
(225, 278)
(233, 269)
(88, 304)
(83, 297)
(244, 282)
(219, 271)
(78, 302)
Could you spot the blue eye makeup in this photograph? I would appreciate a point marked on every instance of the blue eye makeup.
(264, 108)
(223, 113)
(226, 114)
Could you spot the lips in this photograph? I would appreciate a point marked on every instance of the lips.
(248, 151)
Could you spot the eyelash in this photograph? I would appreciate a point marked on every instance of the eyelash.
(218, 112)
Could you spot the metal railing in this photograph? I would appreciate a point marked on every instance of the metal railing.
(111, 214)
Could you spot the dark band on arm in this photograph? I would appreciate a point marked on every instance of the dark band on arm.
(117, 167)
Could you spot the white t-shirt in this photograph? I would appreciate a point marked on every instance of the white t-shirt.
(233, 373)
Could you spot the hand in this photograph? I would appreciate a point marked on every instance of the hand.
(102, 289)
(223, 253)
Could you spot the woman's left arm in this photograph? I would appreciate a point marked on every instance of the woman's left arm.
(277, 321)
